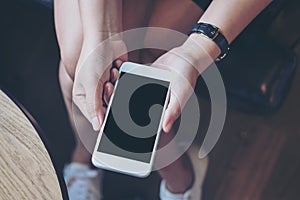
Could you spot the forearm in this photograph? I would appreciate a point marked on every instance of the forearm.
(231, 17)
(100, 16)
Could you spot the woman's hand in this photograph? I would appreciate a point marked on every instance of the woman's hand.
(100, 20)
(186, 63)
(93, 72)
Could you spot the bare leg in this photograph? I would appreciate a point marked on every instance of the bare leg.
(172, 14)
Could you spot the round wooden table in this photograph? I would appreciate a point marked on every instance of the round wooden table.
(26, 170)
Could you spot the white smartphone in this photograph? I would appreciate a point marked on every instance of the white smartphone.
(129, 135)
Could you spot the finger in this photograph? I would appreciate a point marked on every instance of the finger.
(108, 90)
(105, 93)
(94, 104)
(118, 63)
(114, 74)
(89, 88)
(171, 114)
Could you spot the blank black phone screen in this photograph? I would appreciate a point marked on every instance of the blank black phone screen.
(133, 119)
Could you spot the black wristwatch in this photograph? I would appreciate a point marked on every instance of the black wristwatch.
(212, 32)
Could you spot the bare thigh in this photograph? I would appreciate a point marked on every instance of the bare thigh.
(175, 15)
(172, 14)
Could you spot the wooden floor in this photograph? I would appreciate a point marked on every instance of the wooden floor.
(256, 158)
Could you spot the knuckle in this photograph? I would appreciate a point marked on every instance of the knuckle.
(78, 99)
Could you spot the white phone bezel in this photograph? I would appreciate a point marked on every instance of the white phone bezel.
(121, 164)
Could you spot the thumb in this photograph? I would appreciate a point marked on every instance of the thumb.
(94, 105)
(171, 114)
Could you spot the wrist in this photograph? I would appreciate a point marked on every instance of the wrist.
(105, 29)
(112, 21)
(99, 42)
(101, 17)
(200, 51)
(202, 44)
(100, 36)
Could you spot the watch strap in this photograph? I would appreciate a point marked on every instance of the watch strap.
(212, 32)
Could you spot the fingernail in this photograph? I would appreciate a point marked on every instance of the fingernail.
(95, 123)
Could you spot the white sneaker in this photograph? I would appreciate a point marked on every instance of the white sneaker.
(83, 183)
(200, 168)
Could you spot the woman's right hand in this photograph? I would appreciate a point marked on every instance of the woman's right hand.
(93, 71)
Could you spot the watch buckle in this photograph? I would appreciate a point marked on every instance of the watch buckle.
(215, 33)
